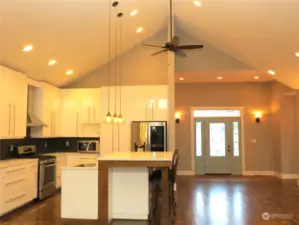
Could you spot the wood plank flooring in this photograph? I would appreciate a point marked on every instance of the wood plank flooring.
(206, 200)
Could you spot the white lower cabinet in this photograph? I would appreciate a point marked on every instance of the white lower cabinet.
(18, 185)
(60, 162)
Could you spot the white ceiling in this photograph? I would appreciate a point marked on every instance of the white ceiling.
(262, 34)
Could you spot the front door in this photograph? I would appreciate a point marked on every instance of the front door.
(217, 146)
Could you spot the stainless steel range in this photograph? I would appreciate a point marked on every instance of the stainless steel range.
(46, 170)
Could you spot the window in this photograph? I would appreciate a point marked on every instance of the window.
(217, 113)
(236, 138)
(217, 139)
(198, 138)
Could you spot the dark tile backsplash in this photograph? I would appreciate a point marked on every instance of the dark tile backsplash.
(43, 145)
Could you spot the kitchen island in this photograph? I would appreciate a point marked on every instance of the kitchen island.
(124, 185)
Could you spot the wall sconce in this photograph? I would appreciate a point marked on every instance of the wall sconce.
(257, 116)
(177, 117)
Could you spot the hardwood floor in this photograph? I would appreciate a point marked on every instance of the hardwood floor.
(207, 200)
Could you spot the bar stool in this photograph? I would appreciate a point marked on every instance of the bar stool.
(155, 181)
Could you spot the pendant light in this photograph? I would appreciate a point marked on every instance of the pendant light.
(115, 117)
(120, 118)
(108, 116)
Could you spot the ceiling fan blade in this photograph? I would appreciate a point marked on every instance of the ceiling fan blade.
(181, 53)
(175, 41)
(160, 52)
(157, 46)
(190, 46)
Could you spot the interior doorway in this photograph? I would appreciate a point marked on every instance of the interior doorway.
(217, 142)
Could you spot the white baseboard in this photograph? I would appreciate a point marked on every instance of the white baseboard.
(286, 175)
(272, 173)
(259, 173)
(185, 173)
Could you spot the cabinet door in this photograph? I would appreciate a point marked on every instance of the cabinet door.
(159, 103)
(19, 117)
(13, 104)
(5, 105)
(70, 114)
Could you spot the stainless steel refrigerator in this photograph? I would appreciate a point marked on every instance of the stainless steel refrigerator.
(149, 136)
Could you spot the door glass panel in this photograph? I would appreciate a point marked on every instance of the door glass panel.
(236, 138)
(217, 139)
(198, 139)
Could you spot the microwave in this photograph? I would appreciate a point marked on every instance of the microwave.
(89, 146)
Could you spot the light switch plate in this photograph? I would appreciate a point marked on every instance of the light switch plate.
(253, 140)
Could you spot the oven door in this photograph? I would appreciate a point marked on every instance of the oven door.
(47, 176)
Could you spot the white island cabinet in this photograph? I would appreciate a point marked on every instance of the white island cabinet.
(79, 192)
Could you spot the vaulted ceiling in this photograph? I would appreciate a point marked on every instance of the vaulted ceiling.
(261, 35)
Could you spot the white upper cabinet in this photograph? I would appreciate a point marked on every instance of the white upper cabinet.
(13, 107)
(81, 112)
(52, 105)
(158, 103)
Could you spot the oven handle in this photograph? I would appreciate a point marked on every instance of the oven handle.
(49, 165)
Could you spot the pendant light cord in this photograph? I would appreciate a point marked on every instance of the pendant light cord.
(120, 64)
(115, 60)
(109, 55)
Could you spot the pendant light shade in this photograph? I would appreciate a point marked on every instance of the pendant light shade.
(115, 118)
(120, 119)
(108, 118)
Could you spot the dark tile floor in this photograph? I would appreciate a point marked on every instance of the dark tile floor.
(207, 200)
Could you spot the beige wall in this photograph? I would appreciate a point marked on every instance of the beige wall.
(251, 96)
(136, 66)
(283, 128)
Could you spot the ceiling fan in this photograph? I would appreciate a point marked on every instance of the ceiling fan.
(173, 44)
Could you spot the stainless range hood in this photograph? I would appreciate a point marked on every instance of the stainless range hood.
(34, 121)
(34, 104)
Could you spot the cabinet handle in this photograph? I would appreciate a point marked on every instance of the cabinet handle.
(94, 114)
(12, 199)
(77, 123)
(146, 112)
(11, 171)
(54, 123)
(14, 120)
(9, 119)
(13, 182)
(152, 111)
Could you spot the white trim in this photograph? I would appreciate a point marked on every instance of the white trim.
(286, 175)
(217, 108)
(185, 173)
(259, 173)
(272, 173)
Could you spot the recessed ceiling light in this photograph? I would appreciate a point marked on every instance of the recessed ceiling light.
(297, 54)
(27, 48)
(69, 72)
(197, 3)
(134, 12)
(181, 78)
(219, 78)
(139, 29)
(256, 77)
(271, 72)
(52, 62)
